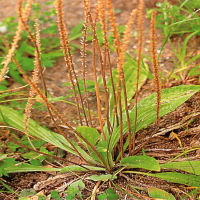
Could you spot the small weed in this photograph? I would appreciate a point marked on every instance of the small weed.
(109, 194)
(184, 68)
(180, 19)
(177, 19)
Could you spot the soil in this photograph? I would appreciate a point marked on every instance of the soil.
(181, 126)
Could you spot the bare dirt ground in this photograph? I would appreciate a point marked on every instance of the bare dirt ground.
(163, 147)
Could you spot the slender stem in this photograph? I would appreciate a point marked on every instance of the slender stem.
(83, 62)
(69, 62)
(155, 66)
(94, 47)
(139, 57)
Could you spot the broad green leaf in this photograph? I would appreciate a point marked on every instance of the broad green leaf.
(90, 134)
(24, 167)
(188, 166)
(171, 98)
(102, 177)
(14, 119)
(77, 168)
(102, 196)
(144, 162)
(175, 177)
(111, 194)
(160, 194)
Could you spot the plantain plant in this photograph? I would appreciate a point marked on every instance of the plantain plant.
(110, 150)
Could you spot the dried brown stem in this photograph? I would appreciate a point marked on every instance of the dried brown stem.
(83, 58)
(155, 65)
(139, 58)
(37, 48)
(94, 64)
(121, 79)
(68, 60)
(34, 79)
(120, 72)
(103, 58)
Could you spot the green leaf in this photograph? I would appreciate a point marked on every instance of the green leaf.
(30, 155)
(184, 47)
(7, 187)
(171, 98)
(77, 185)
(50, 30)
(49, 58)
(49, 3)
(3, 95)
(35, 162)
(188, 166)
(3, 87)
(194, 71)
(27, 192)
(102, 177)
(160, 194)
(90, 134)
(3, 156)
(76, 32)
(175, 177)
(76, 168)
(110, 195)
(75, 189)
(14, 119)
(27, 64)
(55, 195)
(144, 162)
(24, 167)
(15, 73)
(102, 196)
(24, 198)
(193, 59)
